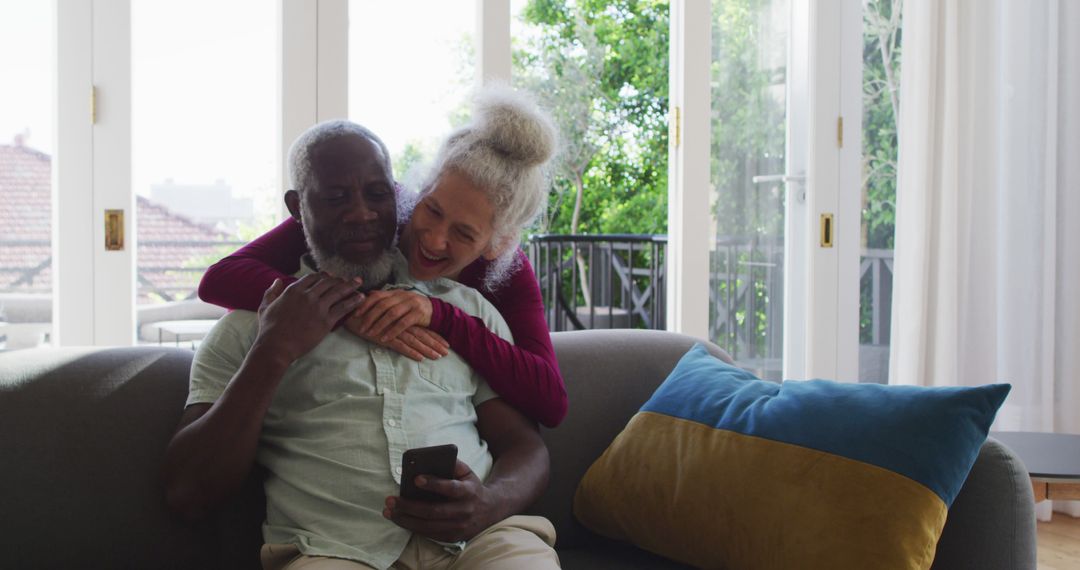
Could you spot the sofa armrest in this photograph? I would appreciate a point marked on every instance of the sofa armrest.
(991, 525)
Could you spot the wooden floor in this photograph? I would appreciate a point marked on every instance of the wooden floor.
(1059, 543)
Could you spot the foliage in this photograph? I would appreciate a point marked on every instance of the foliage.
(881, 92)
(411, 163)
(748, 130)
(601, 68)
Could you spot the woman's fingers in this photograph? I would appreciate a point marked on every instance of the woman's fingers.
(432, 340)
(378, 302)
(402, 347)
(394, 321)
(415, 343)
(394, 311)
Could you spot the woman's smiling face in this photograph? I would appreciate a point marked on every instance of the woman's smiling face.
(450, 228)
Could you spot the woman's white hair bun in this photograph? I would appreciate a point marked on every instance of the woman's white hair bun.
(513, 125)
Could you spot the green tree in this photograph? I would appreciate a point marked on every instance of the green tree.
(410, 164)
(881, 115)
(601, 67)
(882, 35)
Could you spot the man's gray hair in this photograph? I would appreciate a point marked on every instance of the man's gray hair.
(504, 150)
(300, 175)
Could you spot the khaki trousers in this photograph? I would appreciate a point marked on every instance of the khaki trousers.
(517, 542)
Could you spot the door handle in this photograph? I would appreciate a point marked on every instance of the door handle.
(785, 179)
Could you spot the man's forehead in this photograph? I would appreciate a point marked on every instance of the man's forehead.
(348, 149)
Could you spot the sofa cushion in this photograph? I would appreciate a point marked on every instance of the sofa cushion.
(721, 469)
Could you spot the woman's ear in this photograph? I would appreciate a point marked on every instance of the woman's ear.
(292, 202)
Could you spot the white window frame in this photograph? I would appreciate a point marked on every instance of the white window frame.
(313, 60)
(689, 127)
(94, 303)
(493, 51)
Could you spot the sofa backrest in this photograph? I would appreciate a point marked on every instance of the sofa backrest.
(609, 374)
(82, 435)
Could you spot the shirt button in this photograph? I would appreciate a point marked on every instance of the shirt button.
(397, 470)
(391, 423)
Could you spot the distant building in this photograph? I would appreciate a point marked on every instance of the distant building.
(173, 250)
(211, 204)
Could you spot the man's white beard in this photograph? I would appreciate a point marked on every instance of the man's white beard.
(374, 274)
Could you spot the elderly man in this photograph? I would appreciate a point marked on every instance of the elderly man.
(329, 415)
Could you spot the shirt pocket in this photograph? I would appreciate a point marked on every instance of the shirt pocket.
(435, 373)
(449, 374)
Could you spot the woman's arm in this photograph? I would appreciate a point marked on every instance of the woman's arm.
(237, 282)
(525, 374)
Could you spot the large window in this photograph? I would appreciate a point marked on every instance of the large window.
(203, 140)
(26, 158)
(410, 71)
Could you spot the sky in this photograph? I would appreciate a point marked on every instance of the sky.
(204, 83)
(26, 71)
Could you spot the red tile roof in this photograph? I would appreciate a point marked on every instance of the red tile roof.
(172, 252)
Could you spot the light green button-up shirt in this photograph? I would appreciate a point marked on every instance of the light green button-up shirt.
(341, 418)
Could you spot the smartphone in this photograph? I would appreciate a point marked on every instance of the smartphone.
(436, 461)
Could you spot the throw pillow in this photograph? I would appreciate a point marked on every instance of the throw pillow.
(722, 470)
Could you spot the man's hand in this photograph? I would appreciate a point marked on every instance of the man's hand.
(518, 476)
(468, 510)
(294, 319)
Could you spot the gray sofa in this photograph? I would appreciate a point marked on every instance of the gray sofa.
(83, 432)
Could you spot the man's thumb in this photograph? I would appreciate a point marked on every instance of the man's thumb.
(274, 291)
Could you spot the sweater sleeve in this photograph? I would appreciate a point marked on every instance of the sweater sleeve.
(239, 280)
(525, 374)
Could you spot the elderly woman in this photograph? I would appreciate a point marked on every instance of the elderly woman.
(486, 186)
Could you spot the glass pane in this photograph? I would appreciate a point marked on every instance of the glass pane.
(27, 66)
(410, 71)
(204, 151)
(749, 95)
(881, 100)
(601, 69)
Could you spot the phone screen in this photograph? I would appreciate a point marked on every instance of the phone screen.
(436, 461)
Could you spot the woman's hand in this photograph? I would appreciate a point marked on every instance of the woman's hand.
(386, 314)
(416, 343)
(396, 319)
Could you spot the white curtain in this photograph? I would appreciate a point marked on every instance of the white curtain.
(987, 284)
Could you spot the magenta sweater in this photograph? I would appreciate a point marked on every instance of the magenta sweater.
(525, 374)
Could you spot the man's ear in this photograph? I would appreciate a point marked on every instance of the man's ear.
(292, 202)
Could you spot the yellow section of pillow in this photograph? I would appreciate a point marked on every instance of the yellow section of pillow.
(719, 499)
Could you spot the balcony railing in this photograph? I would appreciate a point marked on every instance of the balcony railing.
(601, 281)
(617, 281)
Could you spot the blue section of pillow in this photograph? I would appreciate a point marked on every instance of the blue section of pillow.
(931, 435)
